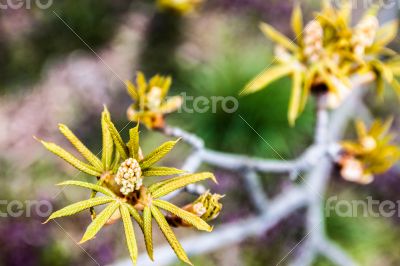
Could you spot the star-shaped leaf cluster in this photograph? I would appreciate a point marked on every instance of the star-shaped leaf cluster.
(121, 188)
(326, 52)
(373, 149)
(150, 104)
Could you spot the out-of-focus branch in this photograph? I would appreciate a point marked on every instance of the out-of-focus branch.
(187, 137)
(334, 253)
(236, 162)
(256, 192)
(318, 179)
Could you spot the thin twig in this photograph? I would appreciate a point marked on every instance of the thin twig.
(256, 192)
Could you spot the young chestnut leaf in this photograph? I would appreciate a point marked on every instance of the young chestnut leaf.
(188, 217)
(129, 233)
(148, 231)
(100, 221)
(79, 206)
(72, 160)
(169, 234)
(181, 182)
(91, 186)
(157, 154)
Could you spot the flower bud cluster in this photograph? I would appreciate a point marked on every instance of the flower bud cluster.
(313, 41)
(129, 176)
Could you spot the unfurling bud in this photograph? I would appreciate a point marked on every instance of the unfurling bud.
(368, 143)
(364, 34)
(207, 207)
(211, 205)
(129, 176)
(313, 41)
(354, 171)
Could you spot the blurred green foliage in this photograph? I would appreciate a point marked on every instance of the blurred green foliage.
(263, 113)
(95, 21)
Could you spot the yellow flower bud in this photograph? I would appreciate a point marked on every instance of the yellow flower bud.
(210, 203)
(129, 176)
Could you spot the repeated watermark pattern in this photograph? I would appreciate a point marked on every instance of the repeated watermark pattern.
(26, 208)
(368, 207)
(25, 4)
(213, 104)
(366, 4)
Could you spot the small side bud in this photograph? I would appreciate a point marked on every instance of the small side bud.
(353, 170)
(210, 203)
(207, 207)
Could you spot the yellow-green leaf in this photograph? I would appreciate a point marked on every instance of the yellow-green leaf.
(129, 233)
(79, 206)
(99, 222)
(116, 163)
(135, 214)
(131, 90)
(380, 87)
(165, 86)
(72, 160)
(171, 104)
(278, 37)
(383, 70)
(180, 182)
(86, 153)
(297, 23)
(142, 87)
(269, 75)
(157, 154)
(108, 144)
(155, 81)
(169, 235)
(147, 231)
(162, 171)
(92, 195)
(133, 143)
(190, 218)
(295, 98)
(119, 143)
(345, 13)
(386, 33)
(361, 129)
(91, 186)
(396, 87)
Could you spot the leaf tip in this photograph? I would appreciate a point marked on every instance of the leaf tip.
(48, 220)
(213, 178)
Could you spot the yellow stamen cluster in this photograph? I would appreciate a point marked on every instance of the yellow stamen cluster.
(364, 34)
(129, 176)
(313, 41)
